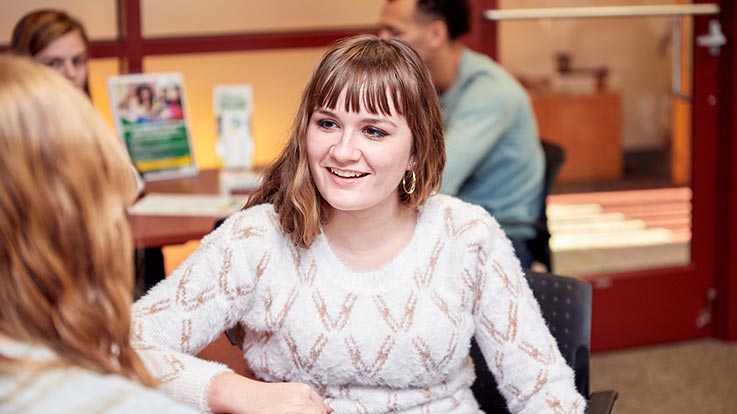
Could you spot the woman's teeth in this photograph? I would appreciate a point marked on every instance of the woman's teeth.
(346, 174)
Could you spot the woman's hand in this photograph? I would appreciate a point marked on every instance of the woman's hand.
(232, 393)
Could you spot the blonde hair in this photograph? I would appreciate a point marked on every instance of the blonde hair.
(375, 73)
(66, 247)
(38, 29)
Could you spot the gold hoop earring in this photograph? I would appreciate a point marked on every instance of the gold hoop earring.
(412, 186)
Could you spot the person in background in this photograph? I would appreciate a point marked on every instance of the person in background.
(55, 39)
(66, 280)
(59, 41)
(357, 286)
(494, 156)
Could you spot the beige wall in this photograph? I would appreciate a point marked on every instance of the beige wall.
(197, 17)
(99, 16)
(635, 50)
(100, 70)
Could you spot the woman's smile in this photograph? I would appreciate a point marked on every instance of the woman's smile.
(347, 173)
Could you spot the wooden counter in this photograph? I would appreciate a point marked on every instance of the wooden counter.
(589, 128)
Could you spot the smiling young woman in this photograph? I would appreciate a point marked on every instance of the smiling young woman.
(358, 288)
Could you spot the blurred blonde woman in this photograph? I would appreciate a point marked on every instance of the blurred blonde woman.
(58, 40)
(66, 273)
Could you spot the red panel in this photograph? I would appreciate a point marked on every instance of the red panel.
(645, 307)
(483, 35)
(129, 13)
(705, 156)
(107, 49)
(99, 49)
(726, 302)
(729, 323)
(225, 43)
(241, 42)
(707, 181)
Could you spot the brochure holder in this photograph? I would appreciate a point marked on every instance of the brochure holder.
(233, 107)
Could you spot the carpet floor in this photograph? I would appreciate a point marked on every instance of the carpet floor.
(693, 377)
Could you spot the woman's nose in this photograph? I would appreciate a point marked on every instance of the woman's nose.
(345, 149)
(69, 70)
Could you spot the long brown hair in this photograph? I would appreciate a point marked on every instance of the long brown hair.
(65, 245)
(40, 28)
(373, 72)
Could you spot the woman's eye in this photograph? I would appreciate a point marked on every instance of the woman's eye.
(79, 61)
(326, 123)
(374, 132)
(54, 63)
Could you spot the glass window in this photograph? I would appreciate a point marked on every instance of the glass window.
(602, 88)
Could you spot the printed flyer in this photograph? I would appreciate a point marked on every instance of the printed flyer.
(151, 119)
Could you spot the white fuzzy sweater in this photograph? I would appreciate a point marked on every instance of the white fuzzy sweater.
(391, 340)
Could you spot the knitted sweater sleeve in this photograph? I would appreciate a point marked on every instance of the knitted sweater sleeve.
(182, 314)
(518, 347)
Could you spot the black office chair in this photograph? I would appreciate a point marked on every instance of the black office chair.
(555, 156)
(539, 246)
(149, 268)
(566, 306)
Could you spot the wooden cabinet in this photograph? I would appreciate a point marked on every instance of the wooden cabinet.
(588, 126)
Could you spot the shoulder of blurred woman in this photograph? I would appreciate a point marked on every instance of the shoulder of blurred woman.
(36, 385)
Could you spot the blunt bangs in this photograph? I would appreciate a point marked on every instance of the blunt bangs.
(373, 81)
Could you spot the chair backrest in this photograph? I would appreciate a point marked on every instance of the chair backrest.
(555, 157)
(539, 246)
(566, 306)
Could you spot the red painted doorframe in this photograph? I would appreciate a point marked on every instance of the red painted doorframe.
(483, 35)
(725, 317)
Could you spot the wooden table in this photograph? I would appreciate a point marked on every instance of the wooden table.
(158, 231)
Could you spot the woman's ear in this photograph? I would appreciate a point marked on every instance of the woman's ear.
(412, 163)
